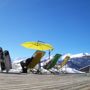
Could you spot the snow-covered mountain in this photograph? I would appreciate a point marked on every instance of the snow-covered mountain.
(79, 61)
(79, 55)
(74, 55)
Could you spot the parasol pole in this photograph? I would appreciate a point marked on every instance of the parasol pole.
(49, 53)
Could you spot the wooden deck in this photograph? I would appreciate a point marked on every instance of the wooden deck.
(44, 82)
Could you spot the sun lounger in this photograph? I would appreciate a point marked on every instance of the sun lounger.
(30, 63)
(52, 62)
(35, 59)
(64, 62)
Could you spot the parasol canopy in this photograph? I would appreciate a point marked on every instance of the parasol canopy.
(37, 45)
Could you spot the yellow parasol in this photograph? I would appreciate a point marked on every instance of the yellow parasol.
(39, 45)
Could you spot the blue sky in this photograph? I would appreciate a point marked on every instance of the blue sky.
(63, 23)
